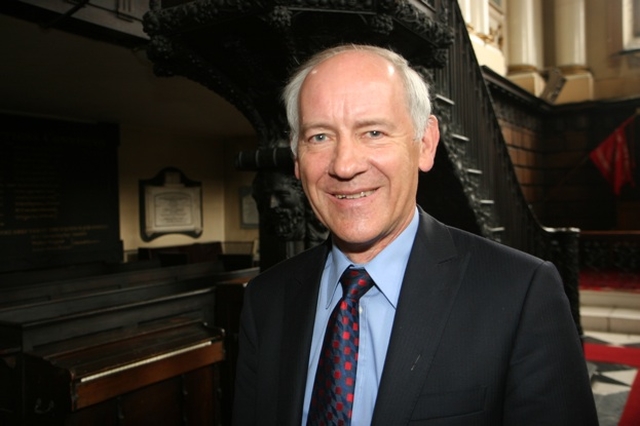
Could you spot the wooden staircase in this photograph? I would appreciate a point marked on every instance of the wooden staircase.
(484, 196)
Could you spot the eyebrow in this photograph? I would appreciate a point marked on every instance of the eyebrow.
(358, 125)
(306, 127)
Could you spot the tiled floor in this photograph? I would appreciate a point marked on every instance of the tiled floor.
(611, 382)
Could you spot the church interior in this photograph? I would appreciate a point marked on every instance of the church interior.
(145, 177)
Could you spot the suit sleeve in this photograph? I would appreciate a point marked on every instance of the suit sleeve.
(244, 406)
(548, 380)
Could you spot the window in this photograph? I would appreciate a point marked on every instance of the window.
(631, 24)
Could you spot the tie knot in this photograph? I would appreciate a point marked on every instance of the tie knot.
(355, 282)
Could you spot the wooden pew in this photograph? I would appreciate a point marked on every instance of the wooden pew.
(37, 276)
(62, 383)
(110, 342)
(50, 289)
(191, 253)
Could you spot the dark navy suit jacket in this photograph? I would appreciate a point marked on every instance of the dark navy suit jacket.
(483, 335)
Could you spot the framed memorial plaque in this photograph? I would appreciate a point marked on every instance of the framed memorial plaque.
(170, 203)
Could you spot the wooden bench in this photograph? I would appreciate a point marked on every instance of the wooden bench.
(175, 255)
(69, 330)
(62, 273)
(59, 288)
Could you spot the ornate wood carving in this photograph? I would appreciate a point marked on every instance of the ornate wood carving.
(245, 51)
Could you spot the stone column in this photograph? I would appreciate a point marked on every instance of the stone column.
(465, 8)
(571, 50)
(485, 38)
(480, 17)
(525, 45)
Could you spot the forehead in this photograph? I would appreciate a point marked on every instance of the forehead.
(348, 68)
(354, 79)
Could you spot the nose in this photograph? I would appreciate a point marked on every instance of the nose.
(348, 159)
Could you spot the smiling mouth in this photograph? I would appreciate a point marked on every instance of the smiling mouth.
(354, 196)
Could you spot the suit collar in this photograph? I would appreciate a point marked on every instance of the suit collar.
(430, 285)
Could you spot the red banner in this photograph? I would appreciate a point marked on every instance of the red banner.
(612, 158)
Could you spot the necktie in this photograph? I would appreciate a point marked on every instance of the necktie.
(334, 385)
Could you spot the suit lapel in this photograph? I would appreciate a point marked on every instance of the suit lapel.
(429, 288)
(300, 301)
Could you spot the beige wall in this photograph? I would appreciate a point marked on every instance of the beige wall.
(615, 75)
(143, 152)
(234, 180)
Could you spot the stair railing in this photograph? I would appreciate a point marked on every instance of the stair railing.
(478, 151)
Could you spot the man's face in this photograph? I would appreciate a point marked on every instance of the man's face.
(357, 157)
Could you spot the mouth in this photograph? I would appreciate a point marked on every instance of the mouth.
(354, 196)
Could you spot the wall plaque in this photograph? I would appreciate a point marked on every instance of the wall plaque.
(58, 193)
(170, 203)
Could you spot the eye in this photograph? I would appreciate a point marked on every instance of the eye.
(321, 137)
(374, 133)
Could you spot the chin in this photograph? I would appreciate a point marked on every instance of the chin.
(354, 239)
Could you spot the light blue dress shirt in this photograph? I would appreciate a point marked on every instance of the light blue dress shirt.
(377, 311)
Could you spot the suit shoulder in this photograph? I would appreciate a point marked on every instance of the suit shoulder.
(491, 251)
(503, 268)
(444, 241)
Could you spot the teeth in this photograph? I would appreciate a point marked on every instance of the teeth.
(354, 196)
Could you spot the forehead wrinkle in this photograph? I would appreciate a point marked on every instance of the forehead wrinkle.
(322, 119)
(373, 122)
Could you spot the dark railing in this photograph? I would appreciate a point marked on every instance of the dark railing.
(476, 148)
(615, 251)
(610, 259)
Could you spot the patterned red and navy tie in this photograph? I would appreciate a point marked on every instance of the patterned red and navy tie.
(334, 385)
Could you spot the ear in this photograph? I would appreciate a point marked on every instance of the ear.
(296, 167)
(429, 144)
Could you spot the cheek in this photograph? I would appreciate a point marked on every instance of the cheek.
(306, 177)
(310, 169)
(397, 165)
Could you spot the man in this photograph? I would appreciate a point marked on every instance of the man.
(455, 330)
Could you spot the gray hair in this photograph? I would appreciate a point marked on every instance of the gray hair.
(416, 89)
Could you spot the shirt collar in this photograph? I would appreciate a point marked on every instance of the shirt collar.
(386, 269)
